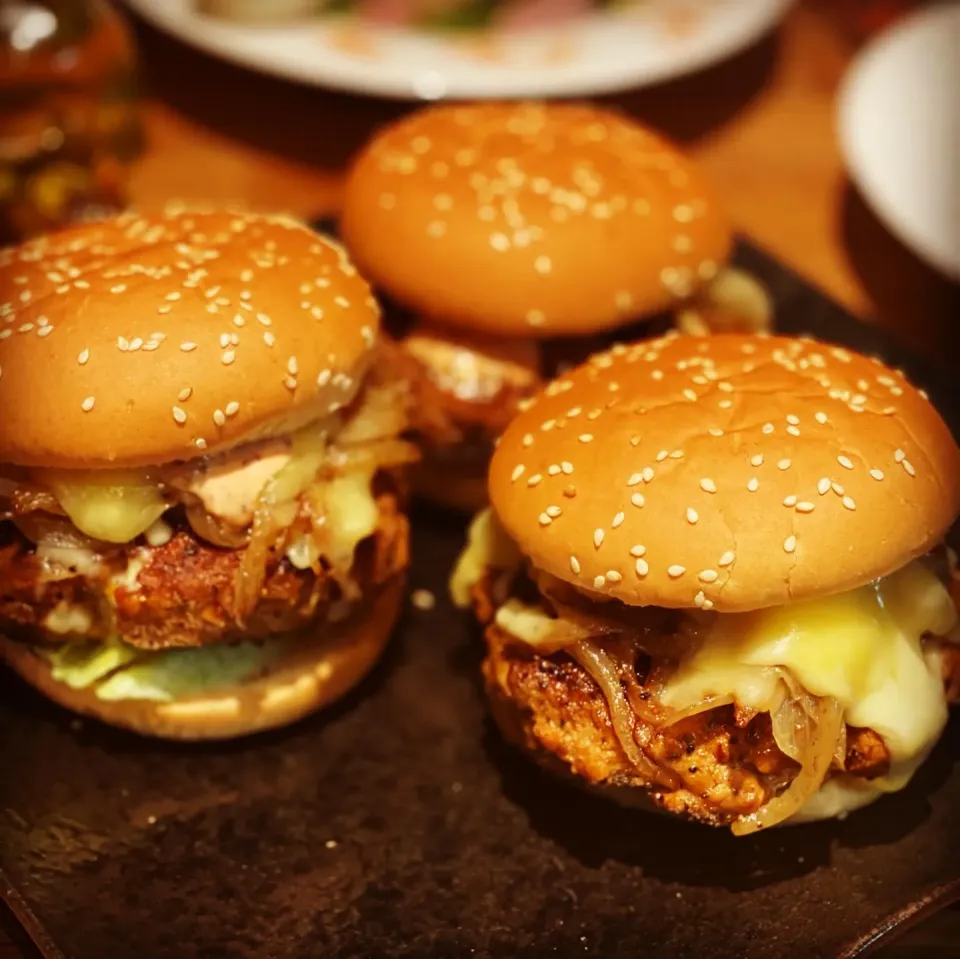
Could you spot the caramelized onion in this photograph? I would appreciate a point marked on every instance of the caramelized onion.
(214, 530)
(604, 673)
(809, 734)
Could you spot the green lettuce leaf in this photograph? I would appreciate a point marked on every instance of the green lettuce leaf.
(163, 676)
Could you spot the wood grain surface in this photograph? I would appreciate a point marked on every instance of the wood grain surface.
(762, 125)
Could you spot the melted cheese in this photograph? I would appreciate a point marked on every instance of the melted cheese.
(352, 515)
(114, 506)
(488, 548)
(862, 648)
(66, 618)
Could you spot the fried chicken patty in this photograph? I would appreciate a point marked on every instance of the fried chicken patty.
(443, 420)
(716, 768)
(182, 593)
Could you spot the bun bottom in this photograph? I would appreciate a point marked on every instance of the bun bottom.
(449, 488)
(315, 673)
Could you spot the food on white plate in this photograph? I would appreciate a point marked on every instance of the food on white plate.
(509, 236)
(714, 579)
(421, 14)
(202, 526)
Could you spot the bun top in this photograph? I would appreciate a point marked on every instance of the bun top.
(550, 219)
(158, 337)
(729, 472)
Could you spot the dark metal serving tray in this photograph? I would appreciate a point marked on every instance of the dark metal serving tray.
(399, 825)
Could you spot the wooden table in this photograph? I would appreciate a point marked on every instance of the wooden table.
(762, 125)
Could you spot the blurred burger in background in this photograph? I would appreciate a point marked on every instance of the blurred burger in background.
(202, 527)
(713, 578)
(509, 239)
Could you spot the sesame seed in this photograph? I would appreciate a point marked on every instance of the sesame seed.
(767, 428)
(793, 430)
(661, 456)
(598, 538)
(543, 264)
(224, 340)
(87, 404)
(292, 366)
(634, 479)
(707, 575)
(233, 407)
(545, 520)
(756, 459)
(805, 506)
(837, 488)
(567, 467)
(200, 443)
(708, 485)
(263, 319)
(692, 515)
(598, 582)
(553, 511)
(219, 418)
(727, 558)
(647, 474)
(638, 550)
(517, 472)
(187, 347)
(83, 357)
(876, 474)
(642, 567)
(179, 415)
(790, 501)
(899, 456)
(612, 576)
(793, 420)
(823, 485)
(753, 484)
(637, 500)
(715, 431)
(676, 454)
(185, 394)
(676, 571)
(908, 466)
(534, 480)
(574, 565)
(690, 395)
(848, 502)
(585, 437)
(123, 344)
(845, 462)
(228, 357)
(790, 544)
(783, 464)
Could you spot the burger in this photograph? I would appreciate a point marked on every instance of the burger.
(202, 528)
(509, 240)
(714, 579)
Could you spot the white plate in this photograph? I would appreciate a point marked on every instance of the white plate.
(652, 41)
(899, 124)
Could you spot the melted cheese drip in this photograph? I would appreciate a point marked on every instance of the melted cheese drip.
(862, 648)
(488, 548)
(114, 506)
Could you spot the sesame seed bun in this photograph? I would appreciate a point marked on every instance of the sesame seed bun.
(164, 336)
(510, 218)
(732, 472)
(315, 673)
